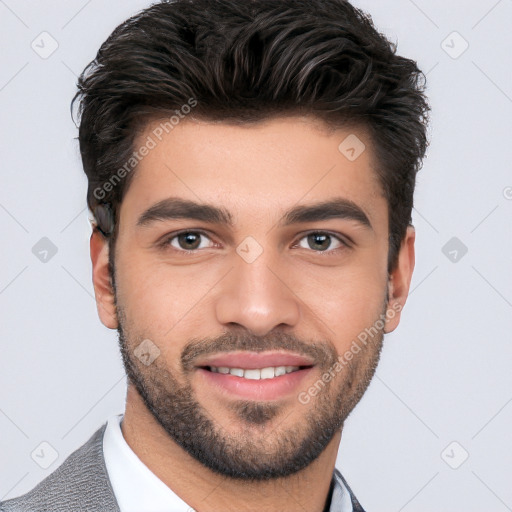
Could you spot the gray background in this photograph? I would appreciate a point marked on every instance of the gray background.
(445, 374)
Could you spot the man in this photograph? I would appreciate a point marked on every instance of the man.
(251, 171)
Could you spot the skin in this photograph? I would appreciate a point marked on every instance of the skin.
(256, 172)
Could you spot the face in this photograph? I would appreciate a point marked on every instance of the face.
(249, 260)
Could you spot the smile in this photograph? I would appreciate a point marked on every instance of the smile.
(269, 372)
(272, 375)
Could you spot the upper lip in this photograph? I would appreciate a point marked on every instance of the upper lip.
(252, 360)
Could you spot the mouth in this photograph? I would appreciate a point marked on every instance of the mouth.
(269, 372)
(256, 376)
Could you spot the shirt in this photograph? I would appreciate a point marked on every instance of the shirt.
(138, 489)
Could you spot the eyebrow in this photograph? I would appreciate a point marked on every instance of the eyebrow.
(176, 208)
(337, 208)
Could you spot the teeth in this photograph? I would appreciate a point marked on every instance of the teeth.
(252, 374)
(238, 372)
(267, 373)
(255, 373)
(280, 370)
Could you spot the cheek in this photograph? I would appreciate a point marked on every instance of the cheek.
(165, 303)
(346, 301)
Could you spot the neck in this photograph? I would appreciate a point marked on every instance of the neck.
(205, 490)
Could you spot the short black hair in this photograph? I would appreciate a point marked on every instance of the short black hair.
(244, 62)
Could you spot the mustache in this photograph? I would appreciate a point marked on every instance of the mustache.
(323, 353)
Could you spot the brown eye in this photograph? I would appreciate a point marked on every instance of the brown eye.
(189, 241)
(321, 242)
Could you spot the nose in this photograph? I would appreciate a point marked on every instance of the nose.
(257, 296)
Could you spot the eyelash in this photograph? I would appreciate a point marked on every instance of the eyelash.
(166, 243)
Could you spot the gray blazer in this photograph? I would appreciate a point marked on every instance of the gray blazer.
(81, 484)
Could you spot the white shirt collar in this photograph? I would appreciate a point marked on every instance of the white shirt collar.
(138, 489)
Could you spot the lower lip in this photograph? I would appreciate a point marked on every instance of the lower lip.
(262, 389)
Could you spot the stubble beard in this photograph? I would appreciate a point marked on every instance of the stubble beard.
(262, 448)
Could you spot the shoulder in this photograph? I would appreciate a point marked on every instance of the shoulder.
(80, 483)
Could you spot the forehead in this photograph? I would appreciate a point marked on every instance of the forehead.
(259, 169)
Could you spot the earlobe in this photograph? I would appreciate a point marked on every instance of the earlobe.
(400, 280)
(103, 289)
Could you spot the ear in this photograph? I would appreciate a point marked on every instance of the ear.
(400, 280)
(103, 289)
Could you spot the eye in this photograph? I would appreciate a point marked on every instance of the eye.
(320, 241)
(188, 241)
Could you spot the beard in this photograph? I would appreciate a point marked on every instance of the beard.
(262, 449)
